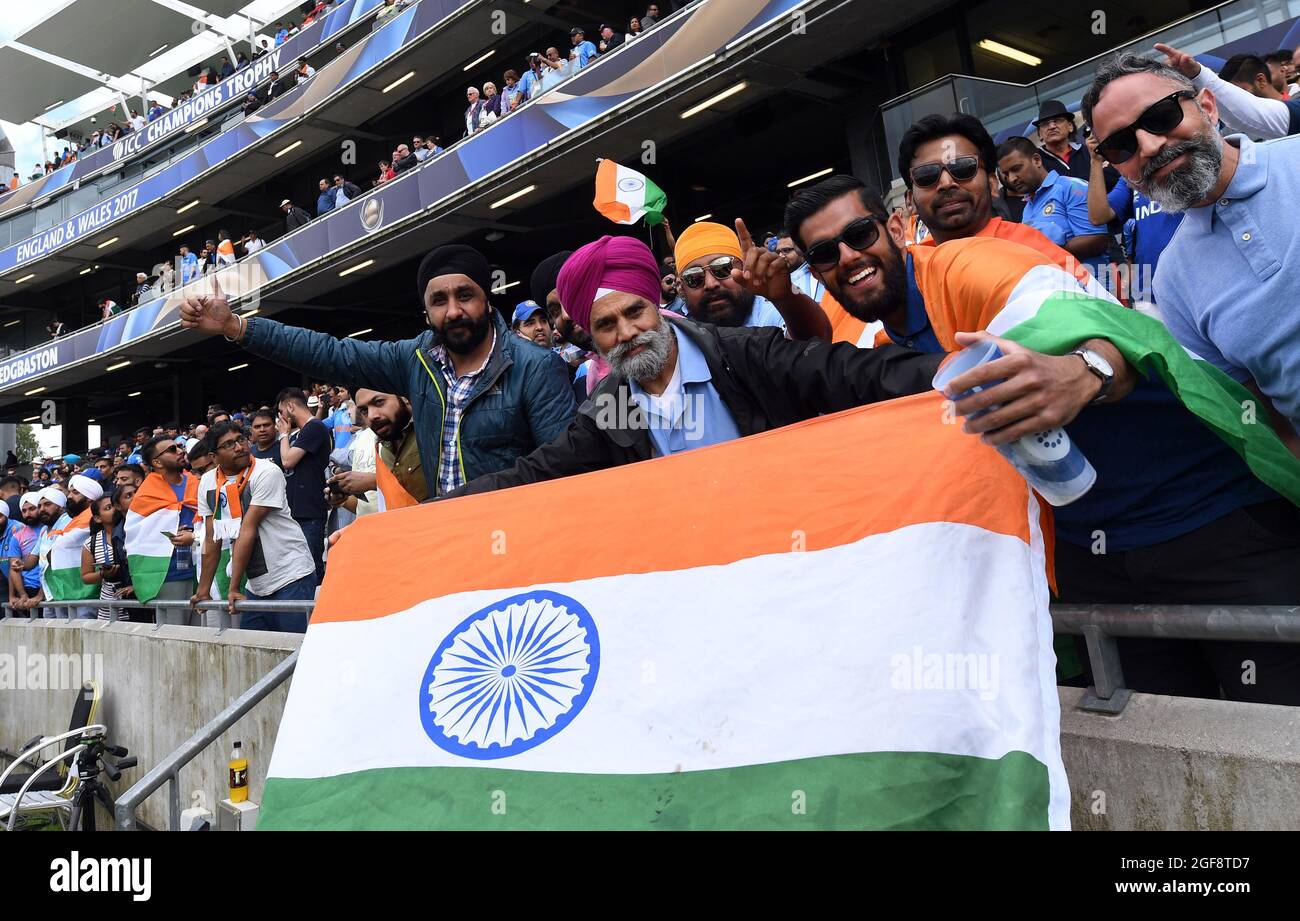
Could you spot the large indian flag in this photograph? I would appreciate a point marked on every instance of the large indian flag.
(154, 509)
(839, 624)
(625, 196)
(61, 565)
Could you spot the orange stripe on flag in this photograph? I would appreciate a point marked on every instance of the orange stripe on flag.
(606, 200)
(822, 483)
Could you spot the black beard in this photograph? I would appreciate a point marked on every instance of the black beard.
(740, 307)
(477, 332)
(75, 507)
(892, 296)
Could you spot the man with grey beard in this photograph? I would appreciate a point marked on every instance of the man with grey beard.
(1226, 285)
(675, 385)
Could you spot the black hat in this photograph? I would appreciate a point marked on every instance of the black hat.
(1051, 108)
(577, 30)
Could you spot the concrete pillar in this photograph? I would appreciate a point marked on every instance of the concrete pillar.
(73, 413)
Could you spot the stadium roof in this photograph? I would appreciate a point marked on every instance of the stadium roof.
(112, 38)
(83, 45)
(32, 84)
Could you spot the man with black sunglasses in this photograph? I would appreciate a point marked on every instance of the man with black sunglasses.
(1161, 473)
(727, 280)
(1238, 197)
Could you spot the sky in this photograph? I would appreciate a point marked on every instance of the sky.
(21, 16)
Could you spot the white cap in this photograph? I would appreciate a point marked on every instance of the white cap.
(51, 494)
(86, 486)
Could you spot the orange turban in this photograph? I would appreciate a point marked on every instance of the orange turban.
(705, 238)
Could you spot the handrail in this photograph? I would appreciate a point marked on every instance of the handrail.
(116, 604)
(1102, 624)
(168, 770)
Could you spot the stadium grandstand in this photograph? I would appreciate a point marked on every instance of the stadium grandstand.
(225, 281)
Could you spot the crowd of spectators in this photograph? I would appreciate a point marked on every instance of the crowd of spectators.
(731, 325)
(294, 450)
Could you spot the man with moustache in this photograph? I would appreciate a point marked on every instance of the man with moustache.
(398, 477)
(531, 322)
(1168, 493)
(266, 440)
(728, 281)
(481, 398)
(25, 568)
(1237, 197)
(56, 511)
(676, 384)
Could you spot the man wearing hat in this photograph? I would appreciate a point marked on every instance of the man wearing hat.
(530, 322)
(481, 398)
(25, 564)
(610, 38)
(583, 50)
(676, 385)
(57, 512)
(726, 280)
(589, 369)
(1060, 150)
(294, 217)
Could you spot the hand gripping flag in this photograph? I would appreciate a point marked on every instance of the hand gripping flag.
(868, 646)
(625, 196)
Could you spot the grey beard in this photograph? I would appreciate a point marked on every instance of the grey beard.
(647, 365)
(1190, 183)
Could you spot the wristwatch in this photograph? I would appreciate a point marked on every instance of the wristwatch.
(1100, 367)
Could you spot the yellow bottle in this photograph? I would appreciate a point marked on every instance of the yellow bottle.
(238, 775)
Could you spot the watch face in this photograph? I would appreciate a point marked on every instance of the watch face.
(1098, 362)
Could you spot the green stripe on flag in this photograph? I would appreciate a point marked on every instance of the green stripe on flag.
(655, 203)
(66, 585)
(878, 790)
(1064, 320)
(147, 574)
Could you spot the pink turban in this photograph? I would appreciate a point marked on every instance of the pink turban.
(623, 264)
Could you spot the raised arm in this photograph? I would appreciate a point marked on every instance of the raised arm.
(1240, 110)
(381, 365)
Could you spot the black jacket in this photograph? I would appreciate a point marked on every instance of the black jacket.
(296, 218)
(765, 379)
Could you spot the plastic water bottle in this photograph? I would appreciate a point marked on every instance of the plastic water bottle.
(238, 774)
(1049, 461)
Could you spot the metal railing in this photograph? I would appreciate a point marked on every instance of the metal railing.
(115, 605)
(1101, 625)
(168, 771)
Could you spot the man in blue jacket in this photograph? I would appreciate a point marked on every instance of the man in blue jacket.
(481, 397)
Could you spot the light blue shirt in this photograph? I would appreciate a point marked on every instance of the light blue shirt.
(803, 279)
(1059, 210)
(765, 314)
(552, 77)
(690, 413)
(1227, 284)
(586, 51)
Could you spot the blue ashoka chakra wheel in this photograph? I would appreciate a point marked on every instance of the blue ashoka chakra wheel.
(631, 184)
(510, 676)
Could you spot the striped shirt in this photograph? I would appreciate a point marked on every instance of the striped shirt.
(459, 388)
(100, 545)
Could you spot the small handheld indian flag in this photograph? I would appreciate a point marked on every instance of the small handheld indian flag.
(872, 650)
(625, 196)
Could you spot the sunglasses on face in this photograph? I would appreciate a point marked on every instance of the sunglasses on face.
(1160, 117)
(719, 268)
(961, 169)
(858, 235)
